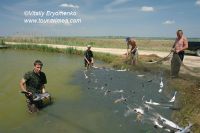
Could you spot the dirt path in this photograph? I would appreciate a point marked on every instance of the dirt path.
(190, 61)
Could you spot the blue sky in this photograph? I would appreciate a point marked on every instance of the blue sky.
(139, 18)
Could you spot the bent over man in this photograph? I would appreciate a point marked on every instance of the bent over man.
(88, 57)
(133, 51)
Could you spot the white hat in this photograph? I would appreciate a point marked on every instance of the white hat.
(89, 46)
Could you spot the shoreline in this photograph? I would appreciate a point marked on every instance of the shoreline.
(190, 61)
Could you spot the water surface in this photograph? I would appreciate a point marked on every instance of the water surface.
(80, 104)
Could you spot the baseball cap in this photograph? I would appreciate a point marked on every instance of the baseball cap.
(128, 38)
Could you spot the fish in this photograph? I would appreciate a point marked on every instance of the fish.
(151, 102)
(158, 125)
(140, 75)
(173, 98)
(38, 97)
(164, 123)
(122, 70)
(106, 92)
(161, 83)
(102, 88)
(169, 123)
(122, 99)
(118, 91)
(160, 90)
(139, 110)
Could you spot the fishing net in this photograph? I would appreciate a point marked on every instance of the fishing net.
(176, 65)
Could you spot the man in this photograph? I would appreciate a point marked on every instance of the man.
(133, 51)
(88, 57)
(178, 48)
(33, 83)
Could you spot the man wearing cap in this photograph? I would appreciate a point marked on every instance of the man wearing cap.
(133, 51)
(88, 57)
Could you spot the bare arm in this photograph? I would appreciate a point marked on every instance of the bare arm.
(23, 86)
(92, 60)
(43, 88)
(185, 43)
(86, 60)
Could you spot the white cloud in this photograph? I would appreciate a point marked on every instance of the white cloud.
(198, 2)
(69, 5)
(109, 7)
(168, 22)
(147, 9)
(118, 2)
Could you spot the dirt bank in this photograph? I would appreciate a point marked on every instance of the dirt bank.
(190, 61)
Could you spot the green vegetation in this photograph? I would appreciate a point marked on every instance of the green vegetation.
(108, 58)
(2, 42)
(189, 89)
(187, 85)
(156, 44)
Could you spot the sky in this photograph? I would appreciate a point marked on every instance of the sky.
(137, 18)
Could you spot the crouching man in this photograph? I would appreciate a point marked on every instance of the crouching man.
(134, 51)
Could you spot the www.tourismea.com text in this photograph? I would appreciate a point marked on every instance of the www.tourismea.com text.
(52, 21)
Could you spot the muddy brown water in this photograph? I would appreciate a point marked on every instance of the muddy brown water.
(80, 103)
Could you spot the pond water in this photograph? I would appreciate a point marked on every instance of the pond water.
(84, 101)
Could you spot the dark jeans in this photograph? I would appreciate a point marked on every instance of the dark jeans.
(181, 55)
(86, 63)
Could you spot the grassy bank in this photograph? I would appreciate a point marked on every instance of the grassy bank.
(158, 44)
(2, 42)
(108, 58)
(189, 90)
(187, 86)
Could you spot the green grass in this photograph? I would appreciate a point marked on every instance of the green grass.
(108, 58)
(188, 87)
(2, 42)
(154, 44)
(143, 43)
